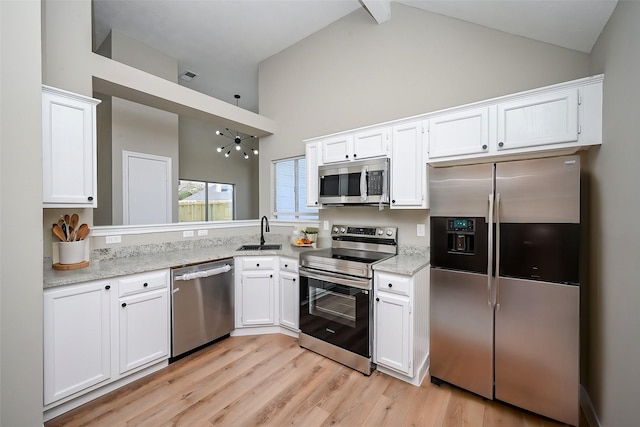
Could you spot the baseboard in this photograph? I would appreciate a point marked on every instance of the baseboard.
(587, 408)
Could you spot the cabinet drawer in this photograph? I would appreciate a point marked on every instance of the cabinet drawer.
(143, 282)
(289, 264)
(258, 263)
(394, 284)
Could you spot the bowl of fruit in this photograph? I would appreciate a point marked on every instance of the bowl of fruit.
(305, 237)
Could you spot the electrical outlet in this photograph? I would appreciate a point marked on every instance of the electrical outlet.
(113, 239)
(420, 230)
(325, 225)
(188, 233)
(203, 232)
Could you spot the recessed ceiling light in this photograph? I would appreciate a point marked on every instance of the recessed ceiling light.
(188, 75)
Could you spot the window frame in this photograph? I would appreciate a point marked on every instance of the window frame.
(206, 199)
(297, 214)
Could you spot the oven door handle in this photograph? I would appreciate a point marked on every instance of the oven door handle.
(337, 279)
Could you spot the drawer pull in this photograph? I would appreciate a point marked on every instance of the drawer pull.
(124, 304)
(145, 285)
(390, 285)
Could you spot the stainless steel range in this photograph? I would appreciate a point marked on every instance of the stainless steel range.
(336, 293)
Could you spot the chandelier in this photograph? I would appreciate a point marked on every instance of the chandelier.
(238, 143)
(238, 140)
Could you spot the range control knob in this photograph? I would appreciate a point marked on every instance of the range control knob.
(380, 232)
(335, 229)
(389, 232)
(343, 230)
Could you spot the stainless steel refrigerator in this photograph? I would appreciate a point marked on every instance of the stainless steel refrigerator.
(505, 292)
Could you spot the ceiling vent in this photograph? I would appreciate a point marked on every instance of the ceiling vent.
(188, 75)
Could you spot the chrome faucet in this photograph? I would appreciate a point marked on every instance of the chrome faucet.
(263, 229)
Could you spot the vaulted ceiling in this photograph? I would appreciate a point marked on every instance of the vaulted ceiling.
(224, 40)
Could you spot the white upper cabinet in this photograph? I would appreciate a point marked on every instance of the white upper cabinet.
(311, 156)
(371, 143)
(459, 133)
(559, 119)
(550, 118)
(68, 149)
(363, 144)
(337, 149)
(408, 167)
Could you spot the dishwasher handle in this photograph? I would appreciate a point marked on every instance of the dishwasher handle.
(203, 273)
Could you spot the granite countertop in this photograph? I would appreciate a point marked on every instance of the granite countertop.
(143, 262)
(406, 264)
(122, 261)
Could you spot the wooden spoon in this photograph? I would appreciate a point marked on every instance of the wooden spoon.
(74, 221)
(82, 232)
(57, 231)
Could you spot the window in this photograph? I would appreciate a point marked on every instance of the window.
(290, 188)
(205, 201)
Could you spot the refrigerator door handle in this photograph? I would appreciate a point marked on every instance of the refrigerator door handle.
(497, 251)
(490, 252)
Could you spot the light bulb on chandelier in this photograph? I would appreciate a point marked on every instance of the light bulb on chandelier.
(238, 139)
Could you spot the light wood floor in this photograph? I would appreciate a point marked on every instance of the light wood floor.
(269, 380)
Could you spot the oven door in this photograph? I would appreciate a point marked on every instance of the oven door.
(336, 309)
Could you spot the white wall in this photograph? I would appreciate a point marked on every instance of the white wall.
(614, 291)
(355, 72)
(20, 214)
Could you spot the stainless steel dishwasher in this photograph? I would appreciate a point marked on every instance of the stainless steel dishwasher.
(202, 305)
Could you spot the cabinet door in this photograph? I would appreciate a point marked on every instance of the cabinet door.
(258, 298)
(289, 303)
(408, 167)
(77, 339)
(371, 143)
(459, 133)
(337, 149)
(144, 328)
(311, 157)
(68, 150)
(550, 118)
(393, 332)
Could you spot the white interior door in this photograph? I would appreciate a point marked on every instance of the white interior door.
(146, 190)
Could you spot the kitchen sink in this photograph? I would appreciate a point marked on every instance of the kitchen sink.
(260, 247)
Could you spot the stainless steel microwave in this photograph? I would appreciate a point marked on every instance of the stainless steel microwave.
(363, 182)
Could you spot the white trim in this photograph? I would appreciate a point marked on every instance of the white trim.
(587, 408)
(211, 225)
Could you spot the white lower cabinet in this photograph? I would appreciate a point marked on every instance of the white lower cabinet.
(100, 332)
(401, 319)
(77, 338)
(289, 293)
(393, 332)
(142, 337)
(255, 291)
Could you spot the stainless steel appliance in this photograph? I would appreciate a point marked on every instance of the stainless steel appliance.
(364, 182)
(336, 294)
(504, 282)
(202, 305)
